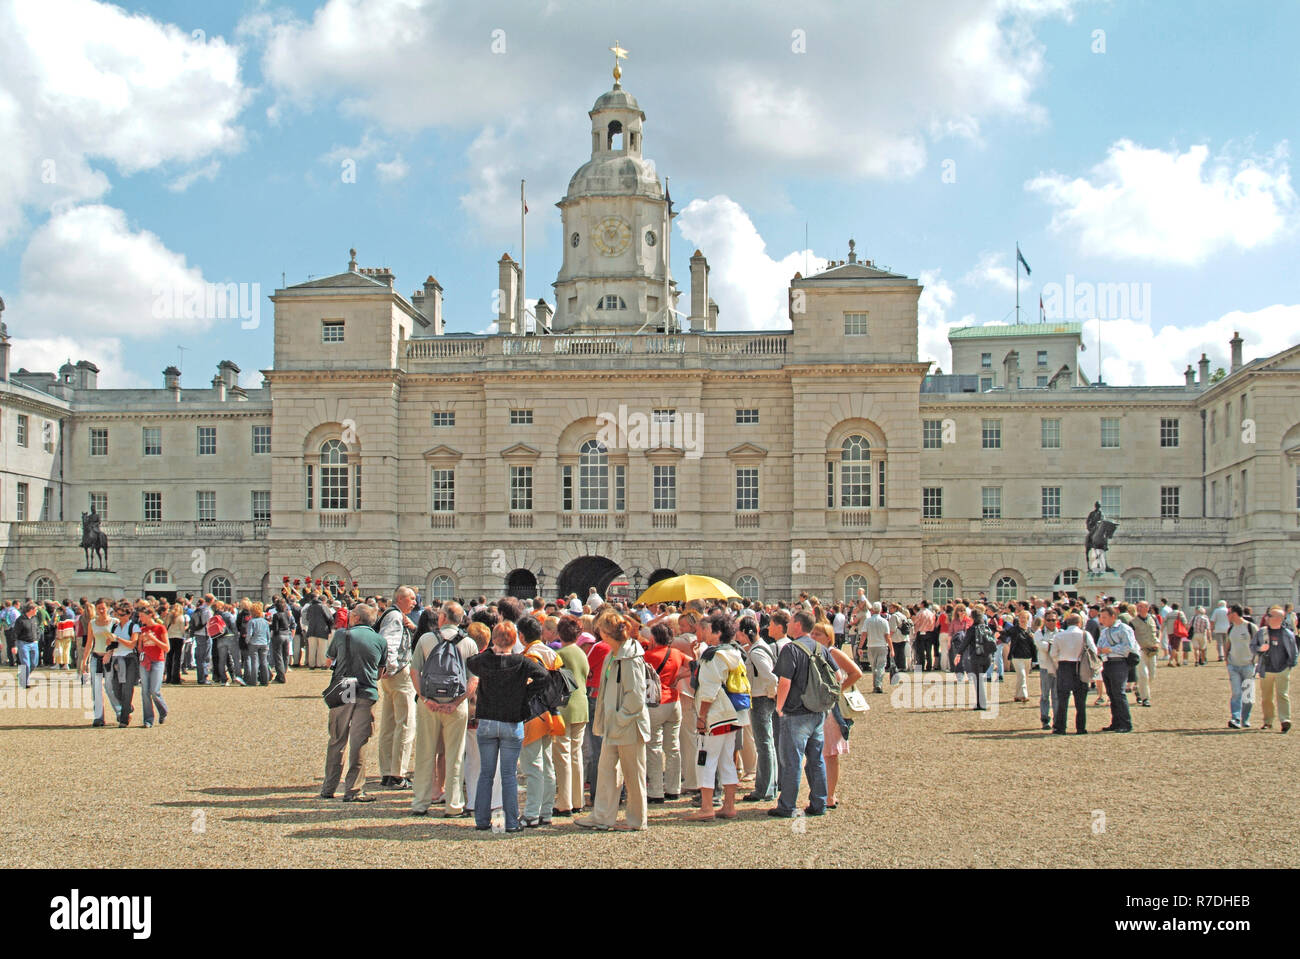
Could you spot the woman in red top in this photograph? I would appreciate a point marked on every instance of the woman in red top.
(663, 754)
(944, 626)
(152, 644)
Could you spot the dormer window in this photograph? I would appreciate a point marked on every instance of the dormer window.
(611, 302)
(614, 136)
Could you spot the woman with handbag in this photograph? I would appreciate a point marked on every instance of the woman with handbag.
(836, 727)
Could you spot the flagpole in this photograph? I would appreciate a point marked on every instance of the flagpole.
(1017, 283)
(523, 258)
(669, 316)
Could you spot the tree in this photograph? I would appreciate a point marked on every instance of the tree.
(1218, 374)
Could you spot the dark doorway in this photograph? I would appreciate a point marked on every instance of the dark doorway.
(585, 572)
(521, 583)
(167, 594)
(660, 574)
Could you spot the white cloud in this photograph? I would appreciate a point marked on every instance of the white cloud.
(186, 180)
(991, 270)
(1170, 207)
(47, 354)
(82, 81)
(394, 170)
(750, 286)
(932, 320)
(1135, 353)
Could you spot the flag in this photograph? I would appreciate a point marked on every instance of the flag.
(1021, 258)
(1042, 313)
(521, 196)
(668, 196)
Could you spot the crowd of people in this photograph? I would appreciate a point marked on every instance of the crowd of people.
(593, 705)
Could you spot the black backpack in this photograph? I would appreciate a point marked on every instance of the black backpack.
(905, 627)
(983, 645)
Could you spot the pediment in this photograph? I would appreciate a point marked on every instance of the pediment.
(746, 451)
(442, 453)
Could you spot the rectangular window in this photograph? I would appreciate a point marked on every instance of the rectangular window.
(1169, 508)
(1041, 382)
(152, 507)
(855, 324)
(262, 507)
(620, 488)
(47, 436)
(1110, 501)
(331, 331)
(1051, 430)
(1244, 508)
(566, 489)
(1297, 487)
(261, 440)
(1042, 357)
(986, 361)
(747, 488)
(45, 504)
(991, 502)
(21, 502)
(99, 503)
(880, 483)
(22, 429)
(664, 480)
(206, 511)
(855, 484)
(991, 434)
(1227, 496)
(1110, 432)
(1168, 432)
(152, 441)
(932, 434)
(747, 417)
(1214, 431)
(1051, 502)
(521, 488)
(521, 417)
(444, 491)
(663, 417)
(98, 441)
(986, 383)
(830, 486)
(931, 502)
(444, 418)
(207, 441)
(309, 488)
(356, 486)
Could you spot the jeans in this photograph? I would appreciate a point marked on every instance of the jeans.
(126, 676)
(28, 659)
(1237, 676)
(538, 766)
(762, 712)
(202, 656)
(151, 677)
(187, 654)
(227, 659)
(877, 656)
(504, 741)
(101, 686)
(800, 739)
(1114, 672)
(996, 664)
(1048, 701)
(258, 665)
(280, 654)
(1067, 685)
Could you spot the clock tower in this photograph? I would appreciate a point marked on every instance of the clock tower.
(615, 273)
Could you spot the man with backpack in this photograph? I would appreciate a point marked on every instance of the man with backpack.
(806, 690)
(442, 712)
(973, 650)
(317, 622)
(202, 645)
(225, 641)
(396, 691)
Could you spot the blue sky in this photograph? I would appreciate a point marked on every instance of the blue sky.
(176, 157)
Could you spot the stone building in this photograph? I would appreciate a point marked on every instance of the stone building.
(616, 436)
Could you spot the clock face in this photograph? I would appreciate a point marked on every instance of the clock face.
(573, 241)
(612, 235)
(650, 238)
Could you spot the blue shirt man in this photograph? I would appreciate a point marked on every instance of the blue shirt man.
(1114, 644)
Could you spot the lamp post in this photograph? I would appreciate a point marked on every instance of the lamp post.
(636, 581)
(541, 576)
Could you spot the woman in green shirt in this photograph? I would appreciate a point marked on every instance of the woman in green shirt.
(566, 749)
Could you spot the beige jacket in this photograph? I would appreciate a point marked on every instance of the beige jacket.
(622, 717)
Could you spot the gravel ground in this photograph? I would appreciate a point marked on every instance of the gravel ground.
(232, 779)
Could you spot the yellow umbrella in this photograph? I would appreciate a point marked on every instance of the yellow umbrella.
(683, 589)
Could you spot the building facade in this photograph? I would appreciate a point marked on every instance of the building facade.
(616, 436)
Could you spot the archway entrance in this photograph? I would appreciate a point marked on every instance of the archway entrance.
(585, 572)
(521, 583)
(660, 574)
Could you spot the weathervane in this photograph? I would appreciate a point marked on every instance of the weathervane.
(619, 54)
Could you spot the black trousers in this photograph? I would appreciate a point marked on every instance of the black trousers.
(900, 658)
(172, 667)
(1114, 673)
(1067, 685)
(280, 643)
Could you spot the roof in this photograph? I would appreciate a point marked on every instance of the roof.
(856, 271)
(1022, 329)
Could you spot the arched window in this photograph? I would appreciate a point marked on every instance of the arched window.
(593, 477)
(222, 588)
(614, 135)
(43, 589)
(1006, 589)
(333, 475)
(442, 587)
(157, 577)
(747, 586)
(1067, 579)
(851, 586)
(1135, 589)
(611, 301)
(942, 590)
(1198, 592)
(855, 473)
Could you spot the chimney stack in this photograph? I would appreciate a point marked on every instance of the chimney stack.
(508, 290)
(229, 374)
(543, 312)
(429, 302)
(1235, 342)
(4, 353)
(699, 292)
(1204, 366)
(172, 382)
(713, 316)
(1189, 376)
(219, 387)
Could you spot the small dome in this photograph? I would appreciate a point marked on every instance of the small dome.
(616, 173)
(617, 99)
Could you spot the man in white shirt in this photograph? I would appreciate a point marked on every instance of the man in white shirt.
(878, 631)
(1067, 649)
(397, 692)
(594, 602)
(575, 605)
(837, 625)
(1049, 704)
(1220, 623)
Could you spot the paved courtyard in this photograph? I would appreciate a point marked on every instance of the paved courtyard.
(232, 779)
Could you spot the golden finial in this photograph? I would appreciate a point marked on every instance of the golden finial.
(619, 54)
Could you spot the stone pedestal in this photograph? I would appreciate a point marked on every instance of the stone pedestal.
(95, 583)
(1093, 584)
